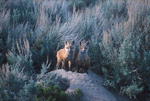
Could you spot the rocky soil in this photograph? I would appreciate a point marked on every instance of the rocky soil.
(91, 86)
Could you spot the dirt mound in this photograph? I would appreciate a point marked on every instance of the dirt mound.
(90, 84)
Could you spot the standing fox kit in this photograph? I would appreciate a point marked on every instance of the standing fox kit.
(83, 59)
(70, 56)
(65, 56)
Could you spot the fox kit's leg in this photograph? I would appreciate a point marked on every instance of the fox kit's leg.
(88, 65)
(78, 68)
(63, 64)
(58, 64)
(69, 65)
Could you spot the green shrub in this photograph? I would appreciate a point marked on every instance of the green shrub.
(81, 4)
(22, 58)
(22, 12)
(2, 5)
(51, 79)
(74, 95)
(132, 90)
(124, 55)
(11, 82)
(52, 93)
(44, 48)
(15, 86)
(127, 73)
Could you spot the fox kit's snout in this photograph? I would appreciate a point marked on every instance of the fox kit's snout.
(83, 47)
(64, 55)
(83, 59)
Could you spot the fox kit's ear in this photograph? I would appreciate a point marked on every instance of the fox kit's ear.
(73, 42)
(66, 42)
(87, 43)
(80, 43)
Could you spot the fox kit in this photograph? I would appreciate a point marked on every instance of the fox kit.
(65, 56)
(83, 60)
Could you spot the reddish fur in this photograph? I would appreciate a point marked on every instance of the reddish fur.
(62, 54)
(63, 57)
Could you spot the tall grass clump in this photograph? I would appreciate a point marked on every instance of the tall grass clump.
(11, 82)
(39, 23)
(123, 48)
(4, 23)
(22, 12)
(21, 58)
(81, 4)
(16, 86)
(29, 37)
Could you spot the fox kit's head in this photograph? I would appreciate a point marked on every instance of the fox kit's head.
(84, 47)
(69, 45)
